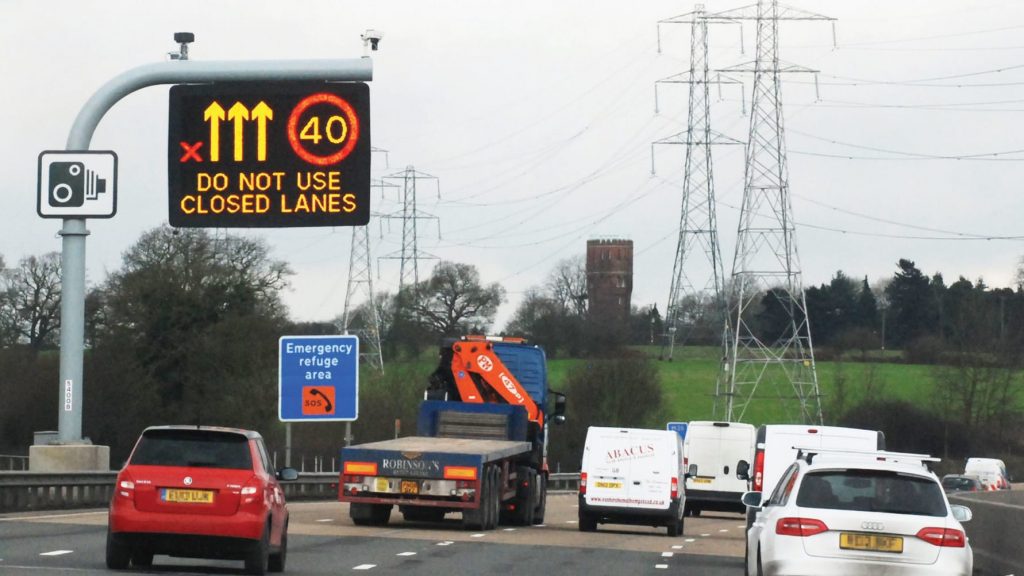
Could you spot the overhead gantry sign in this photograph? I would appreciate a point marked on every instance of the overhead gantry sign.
(278, 154)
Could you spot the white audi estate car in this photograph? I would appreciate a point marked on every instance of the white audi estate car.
(851, 513)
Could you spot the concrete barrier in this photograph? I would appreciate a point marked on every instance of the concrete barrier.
(995, 531)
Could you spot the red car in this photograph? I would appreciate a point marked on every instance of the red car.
(199, 492)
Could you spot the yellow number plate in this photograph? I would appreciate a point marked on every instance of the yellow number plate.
(410, 487)
(873, 542)
(187, 496)
(600, 484)
(381, 485)
(700, 480)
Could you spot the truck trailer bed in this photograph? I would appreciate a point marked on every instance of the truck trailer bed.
(489, 450)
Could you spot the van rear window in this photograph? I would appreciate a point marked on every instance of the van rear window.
(202, 448)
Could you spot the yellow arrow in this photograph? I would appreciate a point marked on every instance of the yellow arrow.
(261, 113)
(238, 114)
(214, 114)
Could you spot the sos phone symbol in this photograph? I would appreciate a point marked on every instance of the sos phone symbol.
(77, 184)
(318, 400)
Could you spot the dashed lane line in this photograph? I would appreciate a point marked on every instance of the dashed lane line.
(406, 554)
(667, 554)
(365, 567)
(57, 553)
(661, 566)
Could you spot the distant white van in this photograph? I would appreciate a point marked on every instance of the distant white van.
(719, 450)
(777, 446)
(632, 476)
(991, 471)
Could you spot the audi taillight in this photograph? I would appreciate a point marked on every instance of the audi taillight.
(946, 537)
(802, 527)
(583, 482)
(759, 471)
(675, 487)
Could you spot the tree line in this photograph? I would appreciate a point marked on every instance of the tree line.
(181, 332)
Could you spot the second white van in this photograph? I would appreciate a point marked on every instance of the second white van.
(720, 451)
(632, 476)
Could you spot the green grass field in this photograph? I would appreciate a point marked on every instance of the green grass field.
(689, 384)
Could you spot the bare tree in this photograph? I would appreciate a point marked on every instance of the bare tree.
(567, 285)
(30, 310)
(452, 300)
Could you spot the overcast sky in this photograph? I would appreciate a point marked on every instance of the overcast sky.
(536, 116)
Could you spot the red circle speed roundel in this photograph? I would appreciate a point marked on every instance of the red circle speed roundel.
(350, 117)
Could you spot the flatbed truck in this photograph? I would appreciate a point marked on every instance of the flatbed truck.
(480, 448)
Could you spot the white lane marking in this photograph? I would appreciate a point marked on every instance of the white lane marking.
(705, 535)
(570, 521)
(690, 540)
(445, 543)
(540, 525)
(365, 567)
(666, 554)
(57, 553)
(406, 554)
(724, 530)
(679, 546)
(661, 566)
(478, 535)
(742, 527)
(509, 529)
(326, 520)
(49, 516)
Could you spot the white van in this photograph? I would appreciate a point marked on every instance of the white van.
(719, 450)
(632, 476)
(777, 446)
(991, 471)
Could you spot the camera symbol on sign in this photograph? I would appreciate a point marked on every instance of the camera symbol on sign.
(71, 184)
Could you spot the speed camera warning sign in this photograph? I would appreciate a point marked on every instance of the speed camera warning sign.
(77, 184)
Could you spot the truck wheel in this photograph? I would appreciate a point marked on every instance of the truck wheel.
(478, 518)
(525, 485)
(542, 499)
(369, 514)
(493, 499)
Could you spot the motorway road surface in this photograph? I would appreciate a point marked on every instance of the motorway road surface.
(323, 540)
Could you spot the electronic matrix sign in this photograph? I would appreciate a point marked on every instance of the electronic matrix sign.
(269, 154)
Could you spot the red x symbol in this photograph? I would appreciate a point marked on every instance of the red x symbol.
(191, 152)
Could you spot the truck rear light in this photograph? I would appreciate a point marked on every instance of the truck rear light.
(675, 487)
(583, 482)
(360, 468)
(945, 537)
(464, 484)
(460, 472)
(759, 471)
(349, 479)
(802, 527)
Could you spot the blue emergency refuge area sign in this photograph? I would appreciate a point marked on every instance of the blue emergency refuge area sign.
(678, 427)
(318, 378)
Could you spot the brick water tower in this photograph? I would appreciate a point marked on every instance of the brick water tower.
(609, 279)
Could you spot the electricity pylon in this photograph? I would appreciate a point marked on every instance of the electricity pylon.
(772, 355)
(410, 215)
(696, 306)
(360, 274)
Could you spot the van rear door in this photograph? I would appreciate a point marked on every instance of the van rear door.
(630, 468)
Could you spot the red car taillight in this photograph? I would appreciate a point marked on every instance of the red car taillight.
(252, 491)
(759, 471)
(947, 537)
(802, 527)
(125, 485)
(675, 488)
(583, 482)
